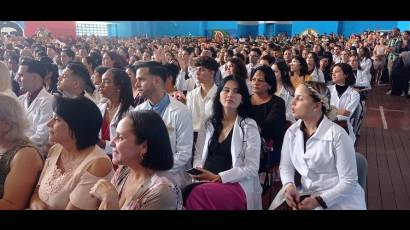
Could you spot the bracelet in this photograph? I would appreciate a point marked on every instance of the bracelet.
(321, 202)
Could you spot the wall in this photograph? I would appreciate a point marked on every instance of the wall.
(355, 27)
(320, 26)
(403, 25)
(205, 28)
(230, 27)
(283, 29)
(57, 28)
(178, 28)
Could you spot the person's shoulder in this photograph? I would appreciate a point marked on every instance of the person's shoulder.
(44, 94)
(162, 185)
(28, 156)
(100, 167)
(23, 96)
(249, 122)
(277, 99)
(294, 127)
(193, 92)
(142, 106)
(177, 105)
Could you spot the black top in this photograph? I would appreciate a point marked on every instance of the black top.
(271, 118)
(219, 157)
(341, 89)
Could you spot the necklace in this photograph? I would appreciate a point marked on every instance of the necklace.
(69, 165)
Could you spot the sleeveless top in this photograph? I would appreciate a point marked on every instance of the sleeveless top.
(5, 161)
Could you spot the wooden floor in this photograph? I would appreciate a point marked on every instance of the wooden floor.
(386, 145)
(385, 141)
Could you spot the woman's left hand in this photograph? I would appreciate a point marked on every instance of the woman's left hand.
(207, 175)
(308, 204)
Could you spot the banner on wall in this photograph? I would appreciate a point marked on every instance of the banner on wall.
(219, 35)
(310, 32)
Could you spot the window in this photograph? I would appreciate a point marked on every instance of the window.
(91, 28)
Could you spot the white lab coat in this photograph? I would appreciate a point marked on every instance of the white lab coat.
(287, 97)
(349, 100)
(39, 114)
(113, 124)
(366, 65)
(327, 168)
(178, 120)
(362, 79)
(245, 153)
(317, 75)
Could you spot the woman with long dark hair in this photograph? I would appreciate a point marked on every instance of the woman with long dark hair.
(227, 154)
(116, 87)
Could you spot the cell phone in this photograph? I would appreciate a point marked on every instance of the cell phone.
(193, 171)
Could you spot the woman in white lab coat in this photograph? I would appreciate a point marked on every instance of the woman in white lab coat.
(227, 154)
(116, 87)
(343, 97)
(321, 152)
(366, 62)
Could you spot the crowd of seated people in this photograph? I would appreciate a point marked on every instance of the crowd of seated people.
(225, 111)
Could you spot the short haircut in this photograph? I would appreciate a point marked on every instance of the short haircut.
(257, 50)
(207, 62)
(270, 77)
(45, 60)
(91, 61)
(230, 53)
(348, 71)
(154, 68)
(69, 53)
(172, 70)
(35, 66)
(101, 69)
(148, 126)
(83, 118)
(269, 59)
(82, 73)
(13, 113)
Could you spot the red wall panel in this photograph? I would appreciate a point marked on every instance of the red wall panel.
(57, 28)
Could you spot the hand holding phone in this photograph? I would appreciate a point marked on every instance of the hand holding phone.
(193, 171)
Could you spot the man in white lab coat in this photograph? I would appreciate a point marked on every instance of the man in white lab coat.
(151, 77)
(37, 101)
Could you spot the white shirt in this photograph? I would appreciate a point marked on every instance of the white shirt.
(200, 107)
(317, 75)
(337, 59)
(249, 68)
(39, 114)
(366, 65)
(223, 71)
(349, 100)
(327, 167)
(287, 97)
(189, 84)
(362, 80)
